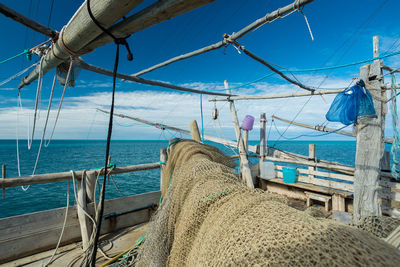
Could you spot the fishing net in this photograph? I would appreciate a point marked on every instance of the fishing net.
(209, 218)
(379, 226)
(353, 102)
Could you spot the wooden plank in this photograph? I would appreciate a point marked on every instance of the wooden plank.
(370, 148)
(62, 176)
(244, 161)
(395, 196)
(338, 203)
(327, 175)
(321, 182)
(391, 212)
(387, 183)
(32, 233)
(312, 187)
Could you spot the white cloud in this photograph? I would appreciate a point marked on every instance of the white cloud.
(80, 120)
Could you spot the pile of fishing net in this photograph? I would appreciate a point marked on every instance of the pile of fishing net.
(209, 218)
(379, 226)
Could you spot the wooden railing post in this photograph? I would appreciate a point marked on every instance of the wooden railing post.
(263, 123)
(312, 156)
(194, 131)
(244, 161)
(3, 175)
(163, 161)
(81, 210)
(370, 145)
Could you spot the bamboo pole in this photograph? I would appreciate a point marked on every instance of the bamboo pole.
(244, 161)
(99, 70)
(63, 176)
(270, 17)
(324, 129)
(265, 63)
(81, 30)
(36, 26)
(275, 96)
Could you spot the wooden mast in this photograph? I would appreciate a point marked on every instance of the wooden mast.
(370, 145)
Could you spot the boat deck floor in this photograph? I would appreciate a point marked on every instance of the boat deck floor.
(71, 255)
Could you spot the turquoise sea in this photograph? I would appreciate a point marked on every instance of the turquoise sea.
(66, 155)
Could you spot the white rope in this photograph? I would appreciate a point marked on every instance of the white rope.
(62, 230)
(308, 25)
(45, 125)
(38, 90)
(61, 101)
(17, 75)
(19, 105)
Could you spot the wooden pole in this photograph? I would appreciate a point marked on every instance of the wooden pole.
(370, 146)
(257, 23)
(246, 141)
(81, 30)
(324, 129)
(274, 96)
(163, 161)
(263, 147)
(91, 177)
(63, 176)
(86, 229)
(194, 131)
(244, 161)
(14, 15)
(3, 175)
(99, 70)
(312, 156)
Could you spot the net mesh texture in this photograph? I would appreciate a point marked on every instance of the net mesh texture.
(209, 218)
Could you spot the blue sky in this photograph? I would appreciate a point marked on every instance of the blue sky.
(343, 32)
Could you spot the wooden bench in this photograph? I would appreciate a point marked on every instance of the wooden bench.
(338, 196)
(319, 197)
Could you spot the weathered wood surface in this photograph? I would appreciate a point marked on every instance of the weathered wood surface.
(312, 155)
(258, 23)
(31, 233)
(163, 161)
(338, 203)
(34, 25)
(263, 145)
(81, 30)
(194, 131)
(370, 148)
(62, 176)
(84, 221)
(244, 161)
(321, 173)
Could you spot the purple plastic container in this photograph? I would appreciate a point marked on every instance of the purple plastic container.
(248, 122)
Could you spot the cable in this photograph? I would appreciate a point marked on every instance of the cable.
(201, 116)
(62, 230)
(38, 90)
(61, 101)
(18, 74)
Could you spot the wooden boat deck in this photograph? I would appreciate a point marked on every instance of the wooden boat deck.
(70, 255)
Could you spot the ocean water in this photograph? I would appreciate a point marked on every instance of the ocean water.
(66, 155)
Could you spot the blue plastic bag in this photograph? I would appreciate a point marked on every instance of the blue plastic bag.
(353, 102)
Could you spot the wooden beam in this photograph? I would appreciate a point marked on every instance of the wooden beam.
(244, 161)
(257, 23)
(312, 151)
(163, 162)
(370, 146)
(275, 96)
(99, 70)
(265, 63)
(324, 129)
(81, 30)
(36, 26)
(63, 176)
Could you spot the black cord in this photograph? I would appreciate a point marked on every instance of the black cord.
(91, 261)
